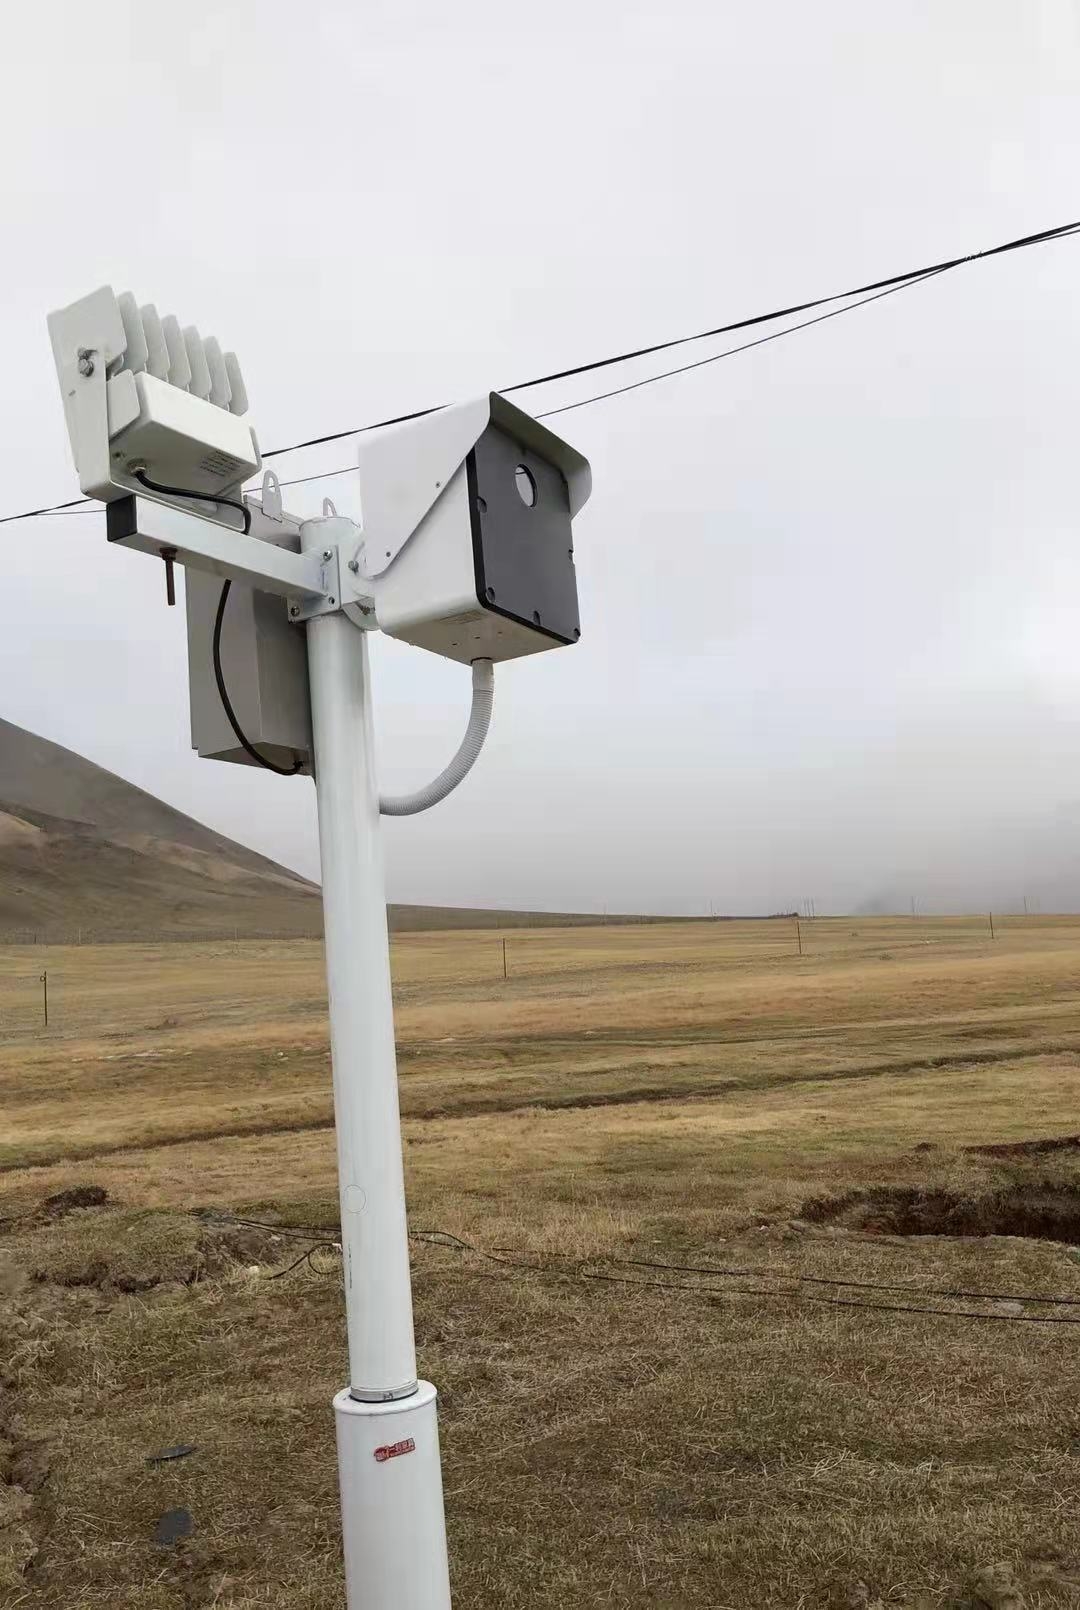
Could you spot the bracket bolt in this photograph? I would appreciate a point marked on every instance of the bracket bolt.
(294, 610)
(86, 362)
(354, 566)
(328, 553)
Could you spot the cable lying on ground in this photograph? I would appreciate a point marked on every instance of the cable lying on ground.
(573, 1271)
(576, 1273)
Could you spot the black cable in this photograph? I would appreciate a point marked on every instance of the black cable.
(858, 1285)
(54, 508)
(323, 475)
(305, 1257)
(199, 497)
(649, 380)
(897, 281)
(447, 1237)
(449, 1240)
(730, 352)
(219, 676)
(808, 1297)
(314, 1232)
(837, 1302)
(360, 430)
(544, 1272)
(317, 1244)
(505, 1254)
(91, 506)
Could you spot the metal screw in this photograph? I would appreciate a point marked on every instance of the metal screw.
(354, 566)
(328, 553)
(86, 362)
(294, 610)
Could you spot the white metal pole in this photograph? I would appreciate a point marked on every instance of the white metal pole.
(388, 1451)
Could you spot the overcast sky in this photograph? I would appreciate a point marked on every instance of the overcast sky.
(830, 588)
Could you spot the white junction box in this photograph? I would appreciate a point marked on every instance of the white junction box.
(177, 438)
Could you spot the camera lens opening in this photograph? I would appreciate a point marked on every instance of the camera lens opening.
(526, 486)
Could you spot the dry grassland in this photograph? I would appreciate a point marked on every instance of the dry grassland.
(615, 1433)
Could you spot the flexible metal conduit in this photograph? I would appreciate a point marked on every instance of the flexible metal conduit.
(483, 685)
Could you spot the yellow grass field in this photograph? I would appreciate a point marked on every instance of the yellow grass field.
(747, 1312)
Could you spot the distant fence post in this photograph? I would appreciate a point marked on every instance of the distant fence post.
(798, 934)
(992, 934)
(506, 973)
(45, 996)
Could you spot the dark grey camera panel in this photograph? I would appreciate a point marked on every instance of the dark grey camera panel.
(522, 545)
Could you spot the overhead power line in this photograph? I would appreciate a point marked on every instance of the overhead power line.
(873, 291)
(91, 506)
(53, 508)
(730, 352)
(892, 280)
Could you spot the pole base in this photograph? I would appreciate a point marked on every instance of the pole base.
(392, 1503)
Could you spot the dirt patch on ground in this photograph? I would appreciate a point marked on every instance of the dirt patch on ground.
(1029, 1148)
(1039, 1211)
(126, 1251)
(80, 1196)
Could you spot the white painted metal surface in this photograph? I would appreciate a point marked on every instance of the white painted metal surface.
(123, 367)
(184, 440)
(392, 1514)
(405, 469)
(139, 390)
(149, 524)
(382, 1359)
(392, 1503)
(427, 597)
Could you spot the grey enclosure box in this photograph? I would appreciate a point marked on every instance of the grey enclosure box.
(264, 662)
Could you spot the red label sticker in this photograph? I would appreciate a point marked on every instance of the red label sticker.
(394, 1450)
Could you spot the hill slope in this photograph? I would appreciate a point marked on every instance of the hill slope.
(86, 854)
(83, 852)
(80, 848)
(57, 782)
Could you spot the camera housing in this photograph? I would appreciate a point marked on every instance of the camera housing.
(467, 542)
